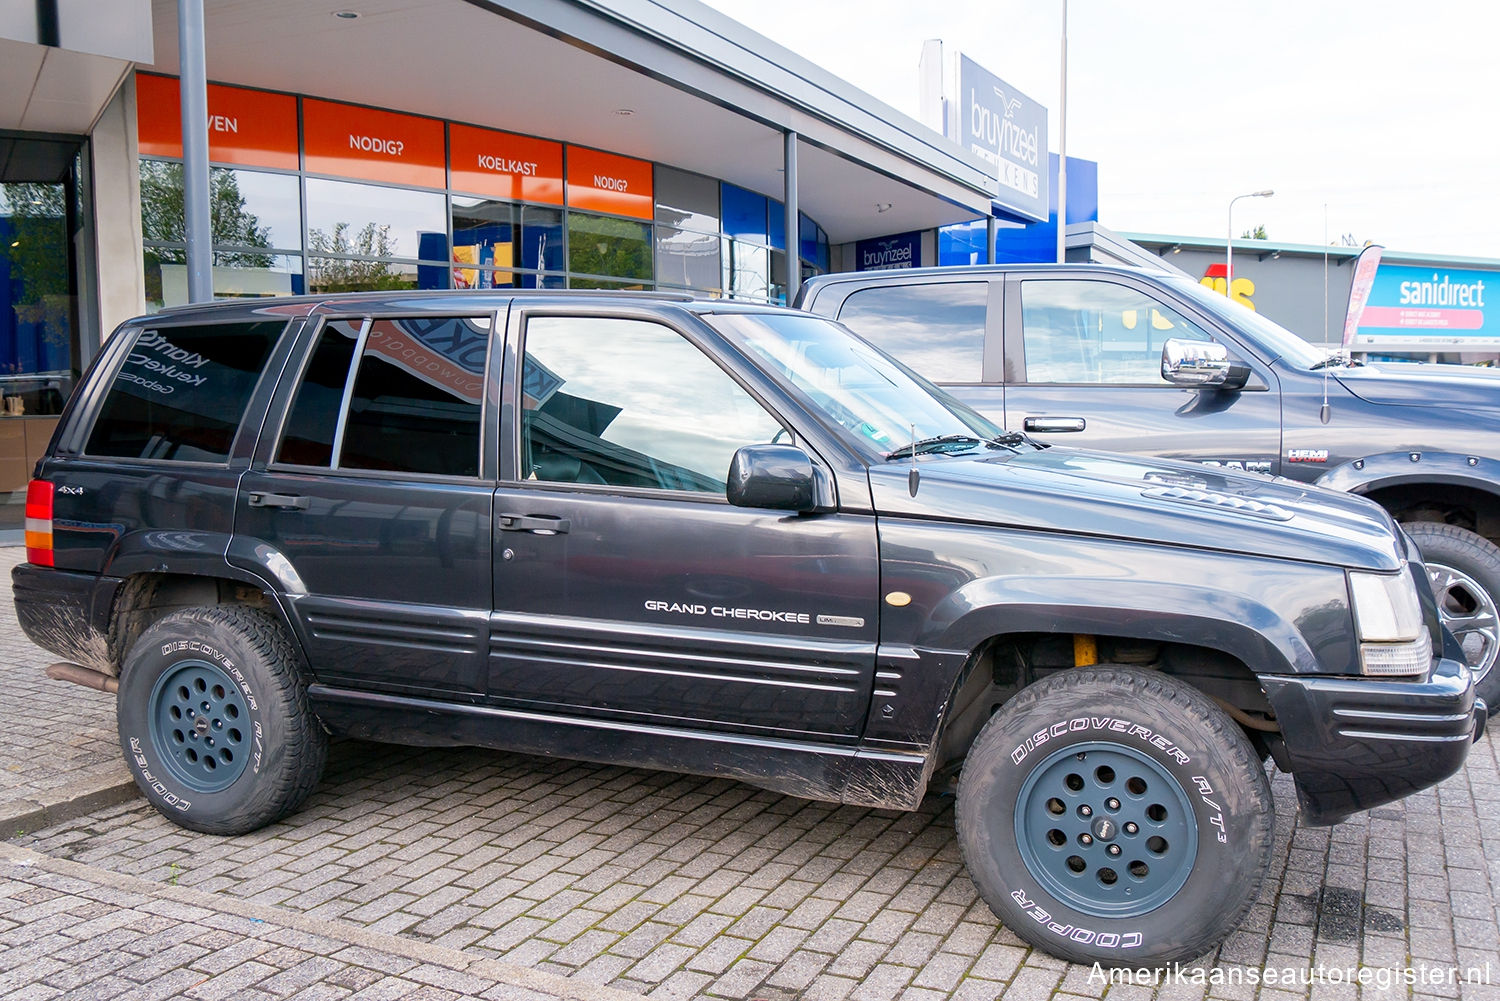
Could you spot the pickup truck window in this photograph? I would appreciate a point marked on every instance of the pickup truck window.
(938, 328)
(630, 403)
(1097, 332)
(181, 392)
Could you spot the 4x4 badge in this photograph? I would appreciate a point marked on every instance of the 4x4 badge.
(1307, 455)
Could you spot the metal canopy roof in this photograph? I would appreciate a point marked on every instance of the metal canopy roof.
(705, 93)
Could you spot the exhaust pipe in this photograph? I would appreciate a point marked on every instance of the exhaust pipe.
(84, 676)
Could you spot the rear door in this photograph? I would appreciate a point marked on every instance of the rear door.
(625, 584)
(373, 500)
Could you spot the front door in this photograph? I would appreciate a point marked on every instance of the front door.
(627, 586)
(373, 500)
(1085, 370)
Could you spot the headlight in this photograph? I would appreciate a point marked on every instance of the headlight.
(1393, 639)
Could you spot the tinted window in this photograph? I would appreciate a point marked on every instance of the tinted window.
(936, 329)
(612, 248)
(416, 400)
(307, 439)
(1097, 332)
(630, 403)
(182, 391)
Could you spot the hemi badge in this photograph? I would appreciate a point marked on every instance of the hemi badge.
(1307, 455)
(841, 620)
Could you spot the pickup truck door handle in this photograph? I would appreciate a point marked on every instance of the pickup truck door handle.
(537, 524)
(260, 498)
(1052, 424)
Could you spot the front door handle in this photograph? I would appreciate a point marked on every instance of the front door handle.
(260, 498)
(537, 524)
(1047, 425)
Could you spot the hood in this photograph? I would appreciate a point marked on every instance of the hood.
(1411, 385)
(1159, 501)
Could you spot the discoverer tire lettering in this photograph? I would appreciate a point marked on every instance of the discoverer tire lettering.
(1136, 831)
(214, 720)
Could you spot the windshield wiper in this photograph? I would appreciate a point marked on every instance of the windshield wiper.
(937, 443)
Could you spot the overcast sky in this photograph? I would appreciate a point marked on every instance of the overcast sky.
(1373, 108)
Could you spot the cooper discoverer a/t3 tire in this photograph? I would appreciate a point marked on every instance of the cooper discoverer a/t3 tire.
(214, 720)
(1115, 816)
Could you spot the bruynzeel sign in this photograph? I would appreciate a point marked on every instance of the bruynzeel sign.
(1008, 130)
(1413, 308)
(888, 253)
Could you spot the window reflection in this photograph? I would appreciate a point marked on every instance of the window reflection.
(367, 220)
(609, 247)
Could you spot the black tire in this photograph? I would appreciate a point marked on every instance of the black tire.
(214, 720)
(1464, 571)
(1177, 769)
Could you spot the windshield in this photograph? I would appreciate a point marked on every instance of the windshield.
(1280, 341)
(883, 405)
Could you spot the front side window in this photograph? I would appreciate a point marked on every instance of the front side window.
(630, 403)
(937, 329)
(415, 401)
(1097, 332)
(182, 392)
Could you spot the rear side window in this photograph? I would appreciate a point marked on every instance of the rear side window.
(182, 392)
(937, 329)
(413, 405)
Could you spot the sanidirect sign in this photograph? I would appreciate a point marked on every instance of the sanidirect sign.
(888, 253)
(1430, 309)
(1008, 130)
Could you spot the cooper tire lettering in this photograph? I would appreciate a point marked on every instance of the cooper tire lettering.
(214, 719)
(1061, 744)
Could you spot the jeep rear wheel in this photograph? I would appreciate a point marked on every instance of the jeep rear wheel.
(1115, 816)
(214, 720)
(1464, 571)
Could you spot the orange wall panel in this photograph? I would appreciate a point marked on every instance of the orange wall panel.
(346, 140)
(607, 182)
(505, 165)
(248, 128)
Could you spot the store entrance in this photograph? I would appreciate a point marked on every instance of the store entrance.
(38, 303)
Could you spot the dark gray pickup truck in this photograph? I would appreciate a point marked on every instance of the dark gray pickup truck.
(1139, 361)
(730, 540)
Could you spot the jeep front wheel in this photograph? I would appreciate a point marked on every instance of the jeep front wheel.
(1115, 816)
(214, 720)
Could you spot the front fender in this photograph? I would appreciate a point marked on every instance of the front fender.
(1193, 614)
(1390, 469)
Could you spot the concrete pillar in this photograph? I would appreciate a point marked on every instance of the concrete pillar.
(115, 184)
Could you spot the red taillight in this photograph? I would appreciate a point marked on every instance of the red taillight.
(39, 523)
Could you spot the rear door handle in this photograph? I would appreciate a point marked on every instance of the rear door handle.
(537, 524)
(1052, 424)
(260, 498)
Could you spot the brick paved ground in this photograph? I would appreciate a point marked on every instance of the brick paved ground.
(71, 931)
(681, 887)
(53, 735)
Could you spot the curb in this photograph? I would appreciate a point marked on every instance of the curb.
(23, 816)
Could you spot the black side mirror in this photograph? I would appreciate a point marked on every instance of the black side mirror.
(773, 476)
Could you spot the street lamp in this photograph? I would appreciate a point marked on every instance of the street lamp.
(1229, 241)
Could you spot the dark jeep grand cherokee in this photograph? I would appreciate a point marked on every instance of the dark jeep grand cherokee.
(731, 540)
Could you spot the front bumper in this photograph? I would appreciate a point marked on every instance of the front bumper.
(1357, 743)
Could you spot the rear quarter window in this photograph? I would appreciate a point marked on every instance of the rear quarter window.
(182, 391)
(936, 328)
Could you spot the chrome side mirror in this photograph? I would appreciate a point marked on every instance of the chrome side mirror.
(1201, 365)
